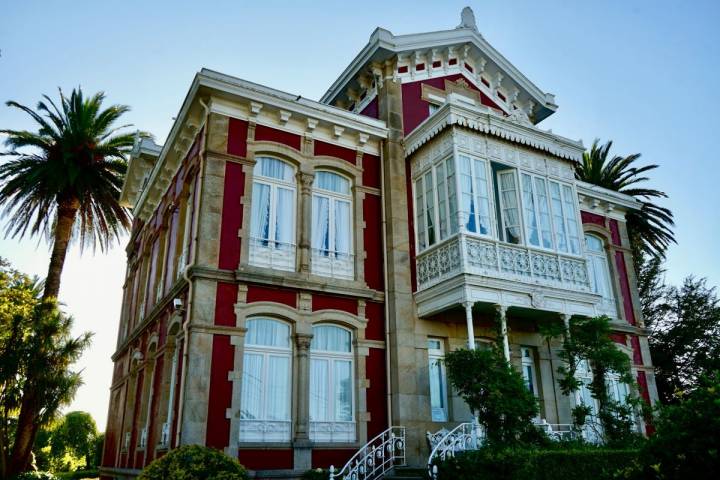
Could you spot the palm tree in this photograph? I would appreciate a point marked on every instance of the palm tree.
(67, 184)
(651, 227)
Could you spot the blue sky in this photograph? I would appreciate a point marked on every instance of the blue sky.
(642, 73)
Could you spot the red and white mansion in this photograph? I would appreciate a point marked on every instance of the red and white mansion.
(297, 268)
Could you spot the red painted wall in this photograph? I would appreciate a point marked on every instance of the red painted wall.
(375, 314)
(371, 109)
(372, 238)
(154, 427)
(371, 170)
(331, 150)
(376, 397)
(257, 293)
(416, 110)
(265, 459)
(225, 299)
(220, 395)
(323, 458)
(331, 302)
(232, 216)
(625, 288)
(592, 218)
(280, 136)
(237, 137)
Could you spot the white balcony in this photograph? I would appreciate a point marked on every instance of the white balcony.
(272, 254)
(464, 254)
(333, 264)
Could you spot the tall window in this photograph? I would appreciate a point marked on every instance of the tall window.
(474, 196)
(598, 267)
(265, 398)
(331, 385)
(272, 226)
(528, 370)
(438, 382)
(509, 206)
(332, 226)
(436, 204)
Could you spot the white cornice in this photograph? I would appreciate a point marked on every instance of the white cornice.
(383, 45)
(455, 111)
(604, 201)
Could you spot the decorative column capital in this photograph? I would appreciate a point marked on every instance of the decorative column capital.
(501, 309)
(303, 341)
(306, 182)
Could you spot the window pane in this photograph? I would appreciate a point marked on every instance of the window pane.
(529, 208)
(528, 376)
(544, 212)
(260, 221)
(273, 168)
(594, 244)
(278, 394)
(342, 226)
(452, 199)
(571, 219)
(483, 198)
(442, 199)
(267, 332)
(430, 208)
(510, 211)
(321, 223)
(467, 196)
(319, 400)
(329, 338)
(343, 390)
(558, 219)
(252, 387)
(420, 216)
(436, 393)
(434, 344)
(332, 182)
(285, 216)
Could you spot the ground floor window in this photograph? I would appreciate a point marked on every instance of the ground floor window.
(528, 370)
(438, 382)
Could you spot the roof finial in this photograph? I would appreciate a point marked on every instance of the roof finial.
(467, 19)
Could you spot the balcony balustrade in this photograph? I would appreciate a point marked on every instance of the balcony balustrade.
(465, 254)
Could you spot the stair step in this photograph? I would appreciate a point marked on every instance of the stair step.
(408, 473)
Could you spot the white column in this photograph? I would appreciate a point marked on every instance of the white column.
(502, 309)
(566, 323)
(469, 319)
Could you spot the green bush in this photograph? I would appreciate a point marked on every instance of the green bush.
(36, 476)
(513, 463)
(78, 475)
(316, 474)
(194, 462)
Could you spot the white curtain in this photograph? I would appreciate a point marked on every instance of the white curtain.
(452, 197)
(321, 223)
(467, 195)
(558, 217)
(483, 197)
(260, 221)
(252, 387)
(329, 338)
(278, 394)
(273, 168)
(598, 268)
(437, 402)
(544, 211)
(420, 214)
(571, 219)
(342, 227)
(442, 199)
(267, 332)
(343, 390)
(529, 208)
(319, 400)
(332, 182)
(430, 208)
(510, 211)
(285, 216)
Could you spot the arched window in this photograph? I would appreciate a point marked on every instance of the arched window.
(332, 383)
(599, 272)
(272, 226)
(266, 382)
(332, 226)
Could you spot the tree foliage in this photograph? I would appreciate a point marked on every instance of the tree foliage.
(37, 352)
(64, 180)
(75, 434)
(651, 227)
(194, 462)
(494, 391)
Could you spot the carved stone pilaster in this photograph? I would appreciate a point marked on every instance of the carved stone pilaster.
(306, 182)
(302, 424)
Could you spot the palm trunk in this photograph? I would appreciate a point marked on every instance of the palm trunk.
(67, 209)
(27, 428)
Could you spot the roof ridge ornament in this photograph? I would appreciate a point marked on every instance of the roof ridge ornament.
(467, 19)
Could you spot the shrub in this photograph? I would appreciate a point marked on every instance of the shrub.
(316, 474)
(35, 476)
(528, 464)
(78, 475)
(194, 462)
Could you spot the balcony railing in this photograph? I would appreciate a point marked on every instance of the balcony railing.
(491, 258)
(272, 254)
(332, 431)
(333, 264)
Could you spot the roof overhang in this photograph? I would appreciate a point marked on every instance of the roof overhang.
(465, 42)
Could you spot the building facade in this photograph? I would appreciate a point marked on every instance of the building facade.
(297, 269)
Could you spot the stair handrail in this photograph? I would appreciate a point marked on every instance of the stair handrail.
(379, 455)
(466, 436)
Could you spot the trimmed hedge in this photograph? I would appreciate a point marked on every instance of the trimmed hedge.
(528, 464)
(194, 462)
(78, 474)
(35, 476)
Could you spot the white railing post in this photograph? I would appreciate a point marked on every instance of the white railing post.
(332, 472)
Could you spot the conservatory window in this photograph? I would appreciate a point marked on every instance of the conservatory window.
(509, 206)
(528, 370)
(332, 226)
(266, 382)
(332, 416)
(436, 204)
(598, 266)
(438, 382)
(272, 226)
(474, 195)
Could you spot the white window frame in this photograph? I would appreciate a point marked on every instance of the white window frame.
(527, 355)
(268, 252)
(597, 259)
(518, 198)
(331, 263)
(263, 429)
(332, 430)
(437, 356)
(475, 194)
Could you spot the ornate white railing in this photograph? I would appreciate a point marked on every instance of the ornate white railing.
(376, 458)
(328, 263)
(559, 431)
(491, 258)
(272, 254)
(466, 436)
